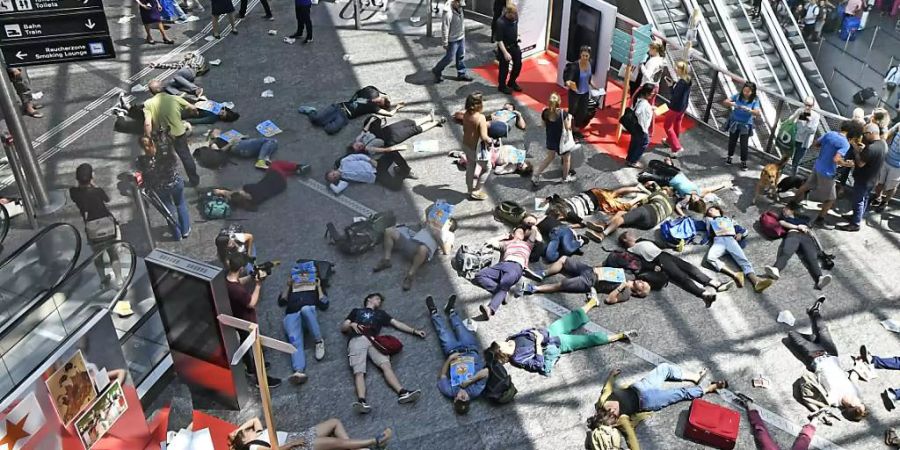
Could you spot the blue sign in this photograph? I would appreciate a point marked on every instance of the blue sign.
(621, 46)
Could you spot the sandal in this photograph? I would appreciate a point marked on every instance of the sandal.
(150, 41)
(382, 439)
(890, 437)
(477, 196)
(168, 41)
(595, 235)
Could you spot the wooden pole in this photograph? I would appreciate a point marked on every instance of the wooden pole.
(263, 380)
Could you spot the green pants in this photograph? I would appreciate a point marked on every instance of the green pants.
(572, 342)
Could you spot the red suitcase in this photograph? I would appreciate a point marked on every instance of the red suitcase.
(713, 425)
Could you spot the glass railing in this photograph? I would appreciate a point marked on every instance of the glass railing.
(36, 333)
(35, 268)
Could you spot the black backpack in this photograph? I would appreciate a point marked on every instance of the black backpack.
(624, 260)
(862, 96)
(499, 387)
(629, 121)
(211, 158)
(359, 237)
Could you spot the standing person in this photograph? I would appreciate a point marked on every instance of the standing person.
(833, 146)
(151, 14)
(745, 106)
(807, 122)
(809, 19)
(303, 10)
(889, 178)
(243, 294)
(22, 85)
(476, 146)
(681, 98)
(725, 239)
(797, 239)
(91, 202)
(163, 113)
(891, 80)
(157, 167)
(265, 4)
(555, 120)
(825, 9)
(644, 112)
(220, 8)
(853, 9)
(650, 70)
(363, 324)
(453, 33)
(579, 84)
(867, 167)
(508, 50)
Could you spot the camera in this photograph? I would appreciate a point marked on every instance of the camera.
(263, 270)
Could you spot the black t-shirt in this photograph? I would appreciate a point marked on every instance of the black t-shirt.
(547, 225)
(629, 402)
(874, 156)
(606, 287)
(91, 201)
(272, 184)
(373, 319)
(297, 300)
(508, 32)
(361, 102)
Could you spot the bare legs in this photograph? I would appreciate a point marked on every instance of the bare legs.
(331, 435)
(162, 32)
(551, 155)
(215, 25)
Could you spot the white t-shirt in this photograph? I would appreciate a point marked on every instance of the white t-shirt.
(812, 13)
(644, 113)
(834, 379)
(646, 249)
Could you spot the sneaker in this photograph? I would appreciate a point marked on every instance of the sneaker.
(536, 181)
(821, 223)
(629, 336)
(308, 110)
(437, 76)
(709, 298)
(273, 382)
(429, 303)
(744, 399)
(743, 165)
(504, 90)
(261, 164)
(725, 286)
(729, 161)
(320, 350)
(186, 234)
(486, 311)
(361, 407)
(298, 378)
(268, 17)
(772, 272)
(569, 179)
(890, 399)
(407, 283)
(814, 309)
(864, 354)
(536, 275)
(739, 279)
(823, 281)
(477, 196)
(409, 396)
(515, 87)
(528, 288)
(451, 304)
(464, 77)
(308, 40)
(849, 227)
(382, 265)
(303, 169)
(762, 285)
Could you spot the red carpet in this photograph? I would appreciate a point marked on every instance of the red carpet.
(538, 81)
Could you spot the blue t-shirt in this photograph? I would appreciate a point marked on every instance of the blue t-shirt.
(682, 185)
(893, 157)
(831, 143)
(445, 384)
(742, 116)
(584, 81)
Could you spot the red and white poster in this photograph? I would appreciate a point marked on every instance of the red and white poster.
(23, 421)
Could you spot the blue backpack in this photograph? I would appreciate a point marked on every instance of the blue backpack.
(679, 229)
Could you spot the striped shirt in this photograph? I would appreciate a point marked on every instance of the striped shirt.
(582, 204)
(517, 251)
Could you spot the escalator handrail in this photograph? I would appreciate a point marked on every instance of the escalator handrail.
(788, 56)
(4, 219)
(41, 234)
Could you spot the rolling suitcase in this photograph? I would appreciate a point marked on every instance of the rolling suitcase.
(713, 425)
(849, 28)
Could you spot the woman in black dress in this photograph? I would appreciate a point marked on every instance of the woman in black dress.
(555, 120)
(220, 7)
(150, 15)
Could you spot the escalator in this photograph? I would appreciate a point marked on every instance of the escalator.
(4, 225)
(805, 59)
(34, 330)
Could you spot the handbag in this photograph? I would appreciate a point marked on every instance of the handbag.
(101, 229)
(386, 344)
(509, 212)
(567, 140)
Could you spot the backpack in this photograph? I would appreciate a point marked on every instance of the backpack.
(214, 207)
(468, 261)
(679, 229)
(862, 96)
(770, 227)
(359, 237)
(499, 387)
(624, 260)
(603, 437)
(629, 121)
(210, 158)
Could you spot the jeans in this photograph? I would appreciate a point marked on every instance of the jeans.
(730, 245)
(892, 363)
(294, 326)
(860, 193)
(456, 339)
(764, 440)
(733, 141)
(332, 119)
(182, 81)
(455, 49)
(683, 273)
(795, 242)
(173, 199)
(811, 346)
(497, 280)
(672, 125)
(572, 342)
(653, 397)
(259, 148)
(243, 10)
(562, 242)
(637, 147)
(516, 60)
(304, 21)
(799, 153)
(187, 160)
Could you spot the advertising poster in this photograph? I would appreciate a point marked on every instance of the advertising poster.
(23, 421)
(101, 415)
(533, 16)
(71, 388)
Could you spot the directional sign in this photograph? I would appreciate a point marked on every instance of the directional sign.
(34, 32)
(621, 45)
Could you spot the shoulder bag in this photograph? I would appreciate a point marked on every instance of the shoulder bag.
(567, 141)
(386, 344)
(101, 229)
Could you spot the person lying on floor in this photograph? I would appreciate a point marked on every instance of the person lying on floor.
(368, 100)
(377, 136)
(274, 182)
(797, 240)
(191, 66)
(820, 354)
(500, 122)
(130, 117)
(725, 237)
(502, 278)
(558, 237)
(389, 171)
(665, 174)
(583, 205)
(505, 159)
(645, 215)
(327, 435)
(891, 396)
(538, 349)
(686, 275)
(761, 434)
(260, 149)
(617, 284)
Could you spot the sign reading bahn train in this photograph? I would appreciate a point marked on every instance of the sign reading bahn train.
(34, 32)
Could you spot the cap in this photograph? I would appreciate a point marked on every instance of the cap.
(872, 128)
(84, 173)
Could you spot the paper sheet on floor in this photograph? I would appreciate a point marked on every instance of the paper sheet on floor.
(427, 146)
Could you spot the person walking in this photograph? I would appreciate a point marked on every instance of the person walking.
(157, 167)
(508, 50)
(243, 11)
(644, 112)
(151, 14)
(303, 9)
(579, 83)
(556, 120)
(681, 98)
(807, 123)
(162, 114)
(98, 221)
(453, 33)
(810, 16)
(867, 167)
(476, 146)
(22, 85)
(745, 106)
(220, 8)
